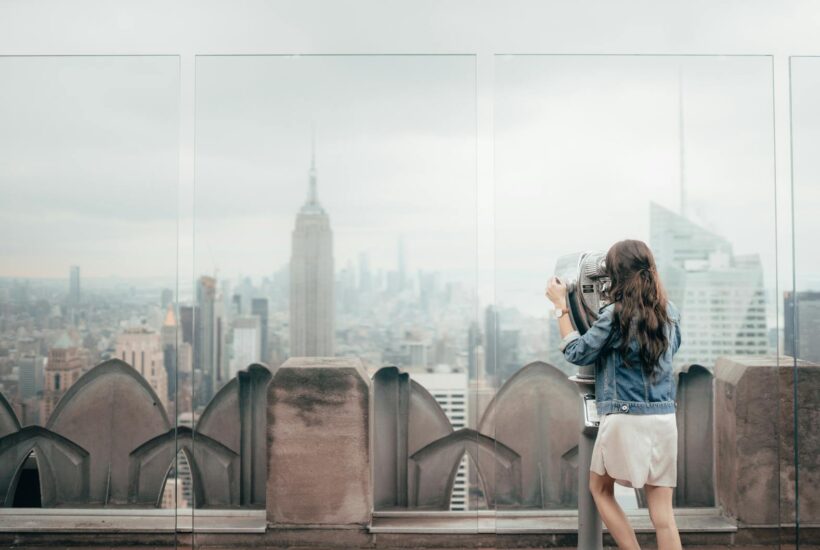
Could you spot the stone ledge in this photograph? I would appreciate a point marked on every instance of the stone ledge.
(324, 539)
(61, 520)
(694, 520)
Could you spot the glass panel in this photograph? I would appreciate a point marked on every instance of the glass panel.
(674, 151)
(335, 217)
(88, 273)
(802, 306)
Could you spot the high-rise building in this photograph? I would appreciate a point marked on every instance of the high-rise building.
(31, 376)
(473, 346)
(801, 335)
(63, 368)
(491, 333)
(247, 342)
(187, 316)
(168, 335)
(312, 311)
(209, 339)
(508, 354)
(142, 349)
(450, 388)
(720, 295)
(74, 285)
(259, 307)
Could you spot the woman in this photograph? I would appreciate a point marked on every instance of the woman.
(631, 345)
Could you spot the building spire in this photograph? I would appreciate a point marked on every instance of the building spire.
(681, 145)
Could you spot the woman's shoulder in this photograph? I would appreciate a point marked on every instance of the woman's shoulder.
(672, 311)
(606, 309)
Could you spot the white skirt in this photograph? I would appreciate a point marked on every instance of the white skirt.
(637, 449)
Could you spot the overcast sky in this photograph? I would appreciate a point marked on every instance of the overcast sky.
(89, 165)
(89, 159)
(395, 155)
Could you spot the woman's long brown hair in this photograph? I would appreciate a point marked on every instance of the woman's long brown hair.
(640, 302)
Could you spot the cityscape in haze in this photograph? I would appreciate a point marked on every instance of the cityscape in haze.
(385, 273)
(52, 332)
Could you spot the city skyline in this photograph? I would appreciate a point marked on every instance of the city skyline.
(268, 174)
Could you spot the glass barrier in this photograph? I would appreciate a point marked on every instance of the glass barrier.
(676, 152)
(89, 162)
(801, 305)
(335, 313)
(335, 228)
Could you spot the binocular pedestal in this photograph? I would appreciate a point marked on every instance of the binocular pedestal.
(590, 531)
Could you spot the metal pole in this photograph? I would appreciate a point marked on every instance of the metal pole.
(590, 530)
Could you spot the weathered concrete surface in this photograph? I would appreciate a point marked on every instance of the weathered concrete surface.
(109, 412)
(808, 442)
(318, 448)
(536, 414)
(236, 418)
(754, 403)
(695, 422)
(8, 420)
(406, 418)
(62, 465)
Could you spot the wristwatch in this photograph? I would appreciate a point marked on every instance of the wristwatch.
(559, 312)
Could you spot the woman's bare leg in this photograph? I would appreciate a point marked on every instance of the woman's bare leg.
(602, 488)
(659, 500)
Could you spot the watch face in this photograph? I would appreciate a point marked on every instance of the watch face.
(559, 313)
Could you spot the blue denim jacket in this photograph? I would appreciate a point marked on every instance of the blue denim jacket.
(618, 388)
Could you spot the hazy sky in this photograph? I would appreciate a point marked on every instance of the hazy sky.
(89, 147)
(806, 131)
(89, 165)
(583, 144)
(395, 154)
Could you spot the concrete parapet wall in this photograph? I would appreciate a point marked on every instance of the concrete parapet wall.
(318, 448)
(754, 421)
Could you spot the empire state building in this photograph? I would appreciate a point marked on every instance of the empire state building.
(311, 278)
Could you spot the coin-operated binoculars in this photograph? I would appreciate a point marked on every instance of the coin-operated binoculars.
(585, 276)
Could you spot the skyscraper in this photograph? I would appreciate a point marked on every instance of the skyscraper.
(168, 334)
(312, 309)
(209, 339)
(259, 307)
(247, 343)
(491, 333)
(142, 349)
(64, 367)
(473, 344)
(801, 330)
(31, 376)
(720, 294)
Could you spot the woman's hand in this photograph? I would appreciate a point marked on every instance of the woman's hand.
(557, 293)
